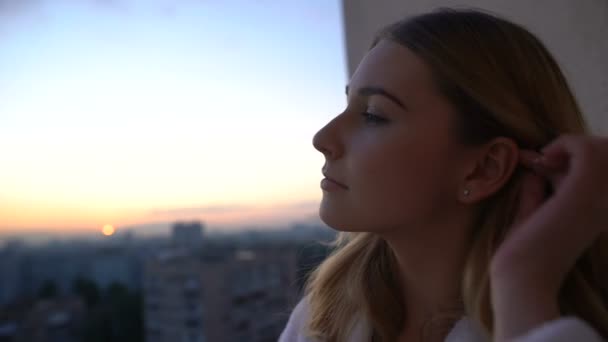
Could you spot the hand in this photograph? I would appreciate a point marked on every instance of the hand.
(550, 232)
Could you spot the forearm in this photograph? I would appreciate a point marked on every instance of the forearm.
(519, 308)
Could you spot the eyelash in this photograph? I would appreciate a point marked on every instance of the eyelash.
(373, 119)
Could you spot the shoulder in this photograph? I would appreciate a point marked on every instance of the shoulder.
(294, 330)
(466, 330)
(562, 330)
(566, 329)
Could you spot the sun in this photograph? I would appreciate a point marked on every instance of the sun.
(108, 230)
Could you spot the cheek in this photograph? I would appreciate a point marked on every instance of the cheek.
(399, 183)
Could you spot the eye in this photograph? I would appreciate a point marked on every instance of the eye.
(373, 119)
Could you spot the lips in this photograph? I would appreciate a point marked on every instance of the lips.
(333, 181)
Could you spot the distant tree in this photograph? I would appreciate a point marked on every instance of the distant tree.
(88, 290)
(126, 312)
(116, 292)
(48, 290)
(117, 317)
(309, 257)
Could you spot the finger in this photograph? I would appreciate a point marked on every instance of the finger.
(529, 158)
(557, 154)
(552, 162)
(531, 196)
(536, 162)
(557, 160)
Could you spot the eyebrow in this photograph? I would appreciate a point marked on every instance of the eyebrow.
(369, 91)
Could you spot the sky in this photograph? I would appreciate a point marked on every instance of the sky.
(136, 112)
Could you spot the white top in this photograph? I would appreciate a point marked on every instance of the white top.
(567, 329)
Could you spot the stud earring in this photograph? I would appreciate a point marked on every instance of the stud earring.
(466, 192)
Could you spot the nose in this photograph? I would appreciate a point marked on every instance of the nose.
(327, 140)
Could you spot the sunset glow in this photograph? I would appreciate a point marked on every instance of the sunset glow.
(108, 230)
(137, 114)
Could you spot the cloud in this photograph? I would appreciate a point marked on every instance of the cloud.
(17, 7)
(14, 7)
(301, 205)
(230, 208)
(216, 209)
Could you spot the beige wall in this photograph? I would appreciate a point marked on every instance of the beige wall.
(576, 32)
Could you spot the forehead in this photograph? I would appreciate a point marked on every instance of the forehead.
(395, 68)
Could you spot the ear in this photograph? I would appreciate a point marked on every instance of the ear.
(491, 167)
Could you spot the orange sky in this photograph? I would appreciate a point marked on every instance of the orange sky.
(130, 120)
(21, 219)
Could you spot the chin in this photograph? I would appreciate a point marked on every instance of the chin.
(341, 220)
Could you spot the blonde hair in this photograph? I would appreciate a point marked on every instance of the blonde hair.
(502, 81)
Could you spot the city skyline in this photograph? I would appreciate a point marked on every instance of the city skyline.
(129, 113)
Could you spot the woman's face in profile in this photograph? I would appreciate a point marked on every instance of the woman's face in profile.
(393, 148)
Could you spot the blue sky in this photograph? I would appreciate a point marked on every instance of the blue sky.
(112, 112)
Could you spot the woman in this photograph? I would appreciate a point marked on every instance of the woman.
(470, 199)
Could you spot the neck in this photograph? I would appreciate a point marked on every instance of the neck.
(431, 261)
